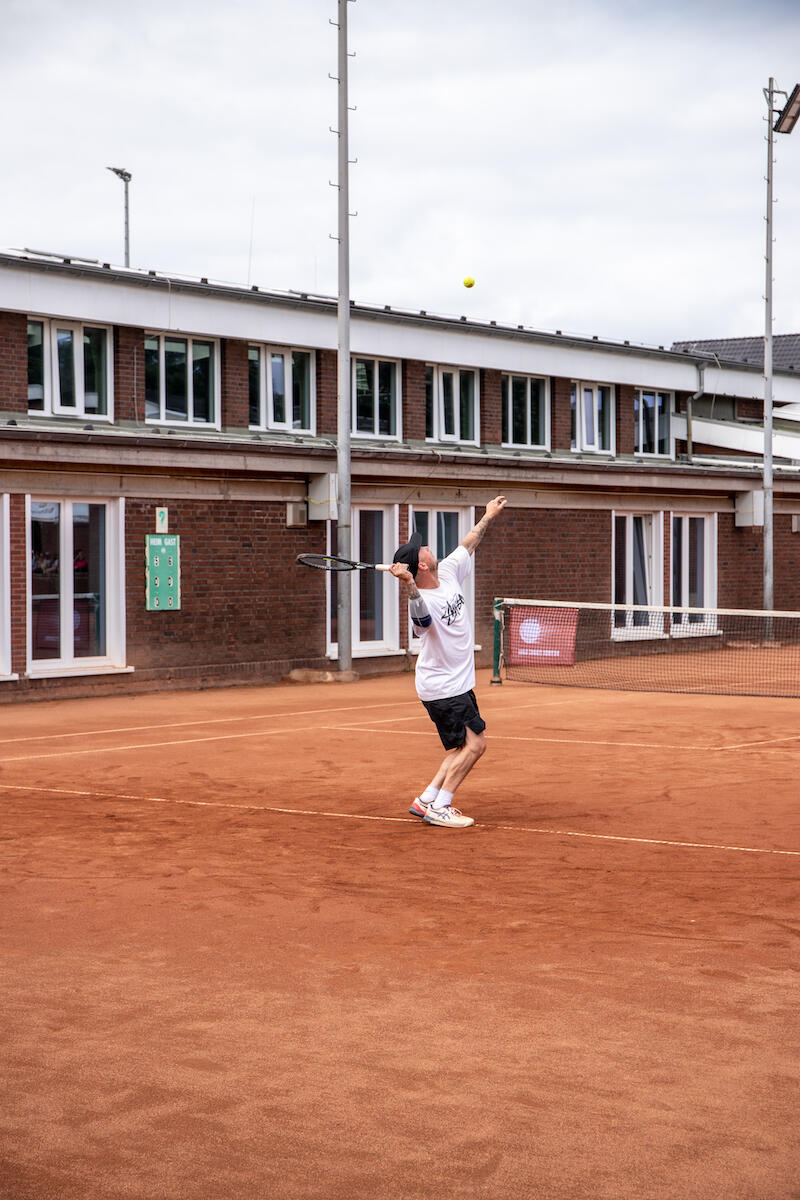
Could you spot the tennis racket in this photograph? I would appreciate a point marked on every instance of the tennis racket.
(332, 562)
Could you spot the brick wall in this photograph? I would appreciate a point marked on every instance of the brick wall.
(129, 374)
(235, 384)
(413, 400)
(560, 414)
(491, 408)
(535, 554)
(13, 362)
(243, 598)
(625, 420)
(740, 564)
(750, 410)
(326, 392)
(19, 584)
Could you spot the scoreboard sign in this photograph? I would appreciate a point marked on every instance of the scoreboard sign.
(162, 571)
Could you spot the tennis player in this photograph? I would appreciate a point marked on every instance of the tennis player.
(445, 674)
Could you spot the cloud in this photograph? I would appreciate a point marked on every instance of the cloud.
(591, 164)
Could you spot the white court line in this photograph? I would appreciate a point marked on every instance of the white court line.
(309, 712)
(507, 737)
(343, 816)
(224, 737)
(791, 737)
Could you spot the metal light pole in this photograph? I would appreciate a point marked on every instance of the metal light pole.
(344, 608)
(778, 121)
(126, 177)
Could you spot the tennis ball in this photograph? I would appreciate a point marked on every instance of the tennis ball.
(469, 281)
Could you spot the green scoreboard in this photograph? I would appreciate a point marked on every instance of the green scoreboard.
(163, 570)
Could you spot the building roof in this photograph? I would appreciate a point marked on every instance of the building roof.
(785, 350)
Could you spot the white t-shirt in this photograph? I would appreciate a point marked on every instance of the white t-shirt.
(446, 662)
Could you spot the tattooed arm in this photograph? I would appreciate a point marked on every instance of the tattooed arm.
(475, 535)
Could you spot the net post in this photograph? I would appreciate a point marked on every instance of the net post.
(498, 639)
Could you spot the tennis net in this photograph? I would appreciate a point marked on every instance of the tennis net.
(647, 649)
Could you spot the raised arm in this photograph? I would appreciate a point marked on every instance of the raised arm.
(475, 535)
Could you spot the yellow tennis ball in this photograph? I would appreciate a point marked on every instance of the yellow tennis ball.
(469, 281)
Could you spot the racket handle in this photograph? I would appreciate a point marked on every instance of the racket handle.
(383, 566)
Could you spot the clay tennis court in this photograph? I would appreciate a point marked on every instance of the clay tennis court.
(233, 967)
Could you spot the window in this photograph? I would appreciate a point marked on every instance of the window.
(638, 556)
(5, 590)
(75, 586)
(281, 386)
(69, 369)
(652, 420)
(693, 573)
(181, 379)
(525, 411)
(374, 593)
(451, 405)
(375, 398)
(591, 417)
(443, 529)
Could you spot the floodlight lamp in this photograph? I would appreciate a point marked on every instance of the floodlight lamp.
(790, 112)
(124, 175)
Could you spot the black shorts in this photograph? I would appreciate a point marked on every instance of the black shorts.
(453, 717)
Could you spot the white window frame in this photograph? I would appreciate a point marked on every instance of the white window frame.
(390, 643)
(375, 433)
(52, 405)
(581, 444)
(114, 658)
(190, 422)
(5, 589)
(439, 435)
(466, 520)
(638, 433)
(654, 566)
(266, 420)
(707, 624)
(506, 383)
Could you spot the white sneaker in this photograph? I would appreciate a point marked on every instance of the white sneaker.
(450, 817)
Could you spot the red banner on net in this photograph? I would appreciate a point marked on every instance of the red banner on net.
(544, 636)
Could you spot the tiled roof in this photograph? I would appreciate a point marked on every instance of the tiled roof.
(785, 350)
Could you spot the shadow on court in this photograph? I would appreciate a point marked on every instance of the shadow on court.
(234, 967)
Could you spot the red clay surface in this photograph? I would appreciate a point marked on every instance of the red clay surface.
(590, 994)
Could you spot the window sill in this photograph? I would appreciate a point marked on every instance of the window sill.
(60, 672)
(72, 415)
(8, 678)
(155, 423)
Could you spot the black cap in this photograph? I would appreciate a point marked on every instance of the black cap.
(409, 554)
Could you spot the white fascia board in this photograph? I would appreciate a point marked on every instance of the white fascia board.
(473, 348)
(87, 297)
(731, 436)
(157, 307)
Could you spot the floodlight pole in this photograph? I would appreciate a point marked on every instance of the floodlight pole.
(768, 554)
(344, 611)
(778, 121)
(126, 177)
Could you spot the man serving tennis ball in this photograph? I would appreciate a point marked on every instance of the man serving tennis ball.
(445, 674)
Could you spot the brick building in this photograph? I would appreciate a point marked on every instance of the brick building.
(632, 473)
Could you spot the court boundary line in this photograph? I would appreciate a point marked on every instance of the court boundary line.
(307, 712)
(301, 812)
(426, 732)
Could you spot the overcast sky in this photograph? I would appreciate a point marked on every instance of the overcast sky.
(597, 165)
